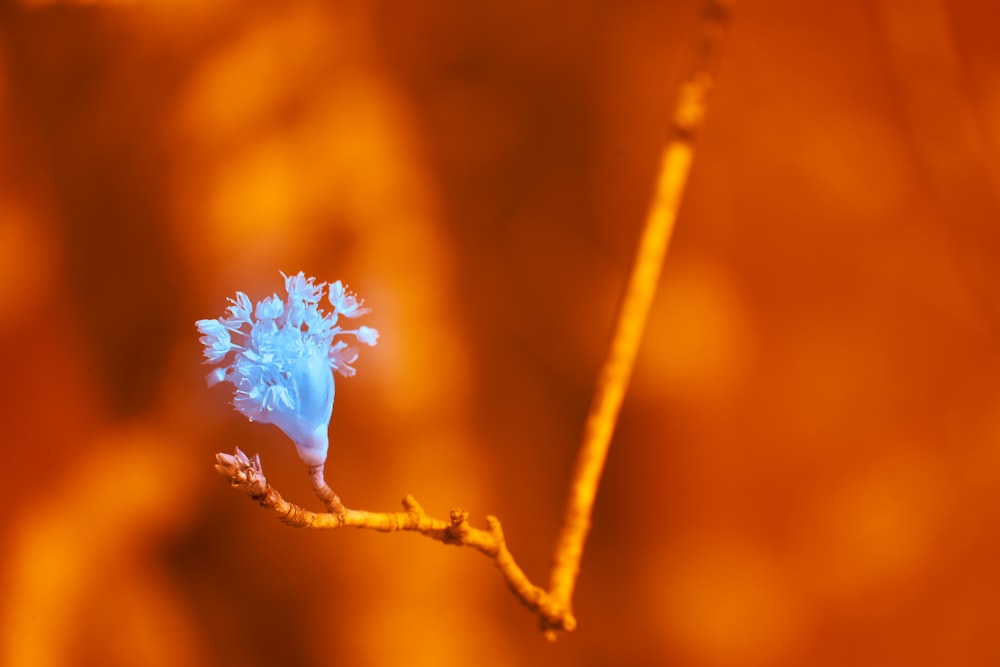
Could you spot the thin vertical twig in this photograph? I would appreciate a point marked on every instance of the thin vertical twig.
(675, 166)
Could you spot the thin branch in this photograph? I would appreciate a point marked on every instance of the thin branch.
(631, 320)
(246, 474)
(553, 606)
(322, 490)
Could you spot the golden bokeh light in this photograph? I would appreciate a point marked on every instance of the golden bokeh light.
(806, 467)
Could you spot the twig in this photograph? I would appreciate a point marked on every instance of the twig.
(246, 474)
(553, 606)
(631, 320)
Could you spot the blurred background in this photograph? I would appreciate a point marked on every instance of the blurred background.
(807, 467)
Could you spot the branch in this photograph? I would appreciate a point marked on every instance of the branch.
(245, 473)
(630, 323)
(553, 606)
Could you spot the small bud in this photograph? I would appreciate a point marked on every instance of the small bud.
(367, 335)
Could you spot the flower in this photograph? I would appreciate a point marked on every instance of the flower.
(345, 302)
(240, 311)
(216, 340)
(284, 362)
(270, 308)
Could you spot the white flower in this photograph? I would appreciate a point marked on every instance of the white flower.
(216, 340)
(270, 308)
(282, 369)
(240, 311)
(300, 288)
(344, 302)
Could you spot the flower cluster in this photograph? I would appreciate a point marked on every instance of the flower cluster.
(285, 357)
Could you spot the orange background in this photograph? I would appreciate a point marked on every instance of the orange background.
(807, 467)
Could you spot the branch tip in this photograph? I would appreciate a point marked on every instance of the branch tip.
(243, 472)
(494, 528)
(411, 505)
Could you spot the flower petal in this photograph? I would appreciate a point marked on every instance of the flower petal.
(344, 302)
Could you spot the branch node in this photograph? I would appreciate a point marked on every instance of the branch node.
(412, 507)
(459, 527)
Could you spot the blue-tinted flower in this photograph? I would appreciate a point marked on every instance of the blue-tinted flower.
(300, 288)
(288, 350)
(240, 311)
(270, 308)
(344, 302)
(216, 340)
(367, 335)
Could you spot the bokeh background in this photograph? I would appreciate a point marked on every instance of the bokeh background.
(807, 467)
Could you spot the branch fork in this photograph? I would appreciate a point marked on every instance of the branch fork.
(553, 605)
